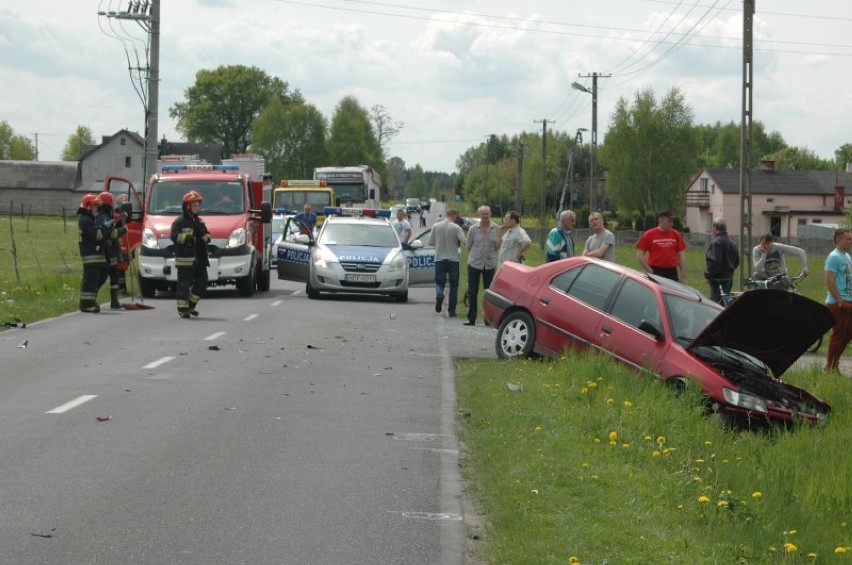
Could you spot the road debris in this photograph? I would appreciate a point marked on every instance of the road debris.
(515, 388)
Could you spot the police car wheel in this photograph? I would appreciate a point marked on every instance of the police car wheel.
(311, 291)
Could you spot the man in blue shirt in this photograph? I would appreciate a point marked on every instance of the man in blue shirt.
(838, 281)
(308, 219)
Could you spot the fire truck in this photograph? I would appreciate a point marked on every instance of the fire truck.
(237, 209)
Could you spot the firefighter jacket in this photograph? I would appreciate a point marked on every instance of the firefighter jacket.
(113, 229)
(188, 235)
(90, 238)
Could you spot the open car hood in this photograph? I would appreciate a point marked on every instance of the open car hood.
(774, 326)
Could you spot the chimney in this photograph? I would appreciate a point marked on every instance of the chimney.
(767, 166)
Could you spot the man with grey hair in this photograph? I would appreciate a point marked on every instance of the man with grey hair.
(722, 260)
(560, 241)
(601, 244)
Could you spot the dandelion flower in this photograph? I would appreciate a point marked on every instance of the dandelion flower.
(610, 401)
(597, 440)
(661, 440)
(757, 495)
(613, 436)
(812, 555)
(647, 438)
(722, 503)
(790, 548)
(627, 404)
(840, 550)
(573, 560)
(703, 499)
(625, 445)
(655, 453)
(538, 428)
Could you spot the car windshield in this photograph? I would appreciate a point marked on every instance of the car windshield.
(166, 197)
(370, 235)
(688, 317)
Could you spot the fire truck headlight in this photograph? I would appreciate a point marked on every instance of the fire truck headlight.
(149, 240)
(237, 238)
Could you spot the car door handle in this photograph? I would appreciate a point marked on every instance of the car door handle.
(606, 329)
(544, 299)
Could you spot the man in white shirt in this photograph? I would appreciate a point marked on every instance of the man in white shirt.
(513, 239)
(601, 243)
(402, 227)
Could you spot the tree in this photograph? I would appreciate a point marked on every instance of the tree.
(77, 143)
(14, 147)
(352, 141)
(384, 126)
(650, 152)
(222, 104)
(395, 178)
(417, 187)
(291, 138)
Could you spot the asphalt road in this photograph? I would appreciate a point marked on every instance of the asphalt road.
(274, 429)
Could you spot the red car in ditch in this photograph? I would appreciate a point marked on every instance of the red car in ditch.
(665, 329)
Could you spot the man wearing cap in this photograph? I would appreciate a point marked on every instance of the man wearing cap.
(661, 249)
(723, 258)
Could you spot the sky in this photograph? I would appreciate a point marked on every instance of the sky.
(452, 71)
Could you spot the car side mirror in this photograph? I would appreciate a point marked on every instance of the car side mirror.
(416, 244)
(304, 239)
(651, 329)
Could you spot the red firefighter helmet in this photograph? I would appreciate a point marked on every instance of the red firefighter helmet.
(190, 197)
(89, 201)
(105, 198)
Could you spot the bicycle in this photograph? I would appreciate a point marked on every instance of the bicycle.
(778, 282)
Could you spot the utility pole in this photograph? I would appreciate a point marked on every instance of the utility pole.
(592, 171)
(541, 218)
(746, 137)
(520, 185)
(147, 15)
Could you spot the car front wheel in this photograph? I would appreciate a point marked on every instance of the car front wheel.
(516, 336)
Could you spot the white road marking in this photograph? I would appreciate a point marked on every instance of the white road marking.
(72, 404)
(157, 363)
(276, 303)
(249, 318)
(429, 515)
(216, 335)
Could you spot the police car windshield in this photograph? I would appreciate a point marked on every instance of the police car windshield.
(368, 235)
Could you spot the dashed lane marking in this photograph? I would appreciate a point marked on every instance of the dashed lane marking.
(250, 317)
(72, 404)
(216, 335)
(157, 363)
(276, 303)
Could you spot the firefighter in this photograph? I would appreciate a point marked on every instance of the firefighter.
(90, 241)
(113, 228)
(190, 236)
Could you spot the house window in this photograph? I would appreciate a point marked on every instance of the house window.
(816, 220)
(712, 189)
(127, 162)
(802, 221)
(123, 141)
(703, 186)
(770, 199)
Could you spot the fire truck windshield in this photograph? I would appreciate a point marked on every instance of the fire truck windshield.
(219, 197)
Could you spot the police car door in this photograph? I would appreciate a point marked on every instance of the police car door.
(421, 262)
(294, 253)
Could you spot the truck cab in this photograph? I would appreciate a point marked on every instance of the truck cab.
(236, 209)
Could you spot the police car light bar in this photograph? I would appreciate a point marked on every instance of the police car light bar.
(365, 212)
(199, 168)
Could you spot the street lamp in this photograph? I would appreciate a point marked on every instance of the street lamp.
(594, 93)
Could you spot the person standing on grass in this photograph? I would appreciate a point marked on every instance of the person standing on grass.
(661, 249)
(446, 237)
(722, 259)
(513, 240)
(560, 240)
(483, 241)
(601, 244)
(838, 281)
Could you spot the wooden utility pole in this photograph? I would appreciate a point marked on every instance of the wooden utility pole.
(542, 203)
(746, 138)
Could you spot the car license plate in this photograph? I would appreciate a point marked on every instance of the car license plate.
(361, 278)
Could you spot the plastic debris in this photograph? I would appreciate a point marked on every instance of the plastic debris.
(515, 388)
(103, 418)
(213, 348)
(47, 534)
(23, 344)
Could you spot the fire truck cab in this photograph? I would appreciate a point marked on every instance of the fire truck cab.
(236, 208)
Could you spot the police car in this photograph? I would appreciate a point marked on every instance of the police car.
(356, 251)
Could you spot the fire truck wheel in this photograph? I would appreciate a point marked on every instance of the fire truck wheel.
(245, 285)
(263, 281)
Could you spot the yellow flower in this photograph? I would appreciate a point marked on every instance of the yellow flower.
(584, 390)
(585, 465)
(840, 550)
(812, 555)
(708, 442)
(722, 503)
(597, 440)
(538, 428)
(625, 445)
(573, 560)
(655, 453)
(627, 404)
(613, 436)
(790, 548)
(661, 440)
(702, 499)
(699, 461)
(647, 438)
(757, 495)
(610, 401)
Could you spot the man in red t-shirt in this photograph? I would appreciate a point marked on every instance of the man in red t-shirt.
(660, 250)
